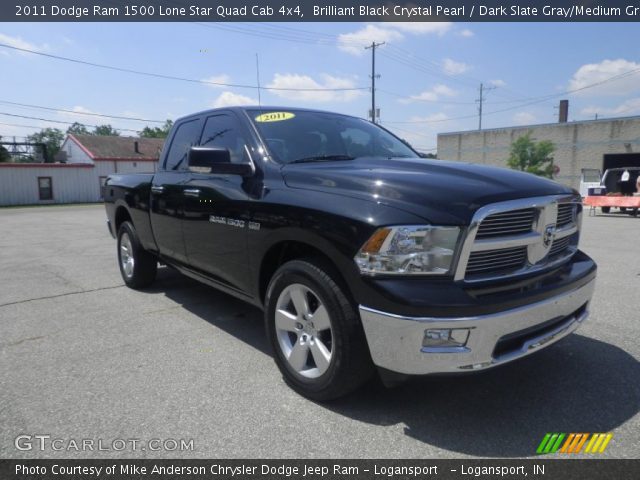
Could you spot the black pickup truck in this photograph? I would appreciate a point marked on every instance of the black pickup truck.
(362, 255)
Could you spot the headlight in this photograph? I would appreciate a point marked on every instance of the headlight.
(409, 250)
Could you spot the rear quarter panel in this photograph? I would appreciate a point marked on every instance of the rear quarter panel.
(133, 193)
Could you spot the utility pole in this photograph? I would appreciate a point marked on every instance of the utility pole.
(480, 102)
(373, 47)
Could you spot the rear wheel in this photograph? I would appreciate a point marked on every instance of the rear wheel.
(605, 209)
(137, 266)
(318, 341)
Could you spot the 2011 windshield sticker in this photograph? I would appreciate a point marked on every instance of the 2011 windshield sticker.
(274, 117)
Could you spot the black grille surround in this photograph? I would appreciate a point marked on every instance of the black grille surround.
(514, 238)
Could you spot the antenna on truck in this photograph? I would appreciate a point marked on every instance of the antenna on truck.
(258, 77)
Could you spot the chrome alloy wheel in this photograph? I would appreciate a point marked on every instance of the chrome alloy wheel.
(126, 255)
(303, 329)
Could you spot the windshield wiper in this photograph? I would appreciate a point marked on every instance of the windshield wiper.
(323, 158)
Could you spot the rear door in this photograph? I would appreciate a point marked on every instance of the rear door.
(217, 207)
(167, 190)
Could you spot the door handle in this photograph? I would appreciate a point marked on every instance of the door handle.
(157, 188)
(192, 192)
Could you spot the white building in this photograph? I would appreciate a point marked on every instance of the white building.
(88, 160)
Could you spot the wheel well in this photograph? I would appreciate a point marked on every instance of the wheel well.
(291, 250)
(122, 215)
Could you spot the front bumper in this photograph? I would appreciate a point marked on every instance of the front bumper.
(395, 341)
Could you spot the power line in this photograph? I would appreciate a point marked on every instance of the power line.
(533, 102)
(104, 115)
(59, 121)
(182, 79)
(405, 97)
(16, 125)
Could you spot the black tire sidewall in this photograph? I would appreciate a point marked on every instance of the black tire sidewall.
(344, 325)
(143, 267)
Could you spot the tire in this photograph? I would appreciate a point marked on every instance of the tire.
(315, 332)
(605, 209)
(137, 266)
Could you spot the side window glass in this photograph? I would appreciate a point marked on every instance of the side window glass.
(186, 136)
(225, 131)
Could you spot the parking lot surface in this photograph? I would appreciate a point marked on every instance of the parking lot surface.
(83, 357)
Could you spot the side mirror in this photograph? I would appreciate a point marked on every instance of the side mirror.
(216, 160)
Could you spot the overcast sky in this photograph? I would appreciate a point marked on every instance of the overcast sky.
(429, 72)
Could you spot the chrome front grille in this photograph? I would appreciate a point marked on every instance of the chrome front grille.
(506, 223)
(491, 260)
(519, 236)
(559, 246)
(566, 214)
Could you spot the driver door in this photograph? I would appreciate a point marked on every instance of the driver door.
(216, 208)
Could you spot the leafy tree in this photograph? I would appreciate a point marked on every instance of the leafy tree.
(4, 153)
(530, 156)
(51, 137)
(157, 132)
(105, 130)
(78, 128)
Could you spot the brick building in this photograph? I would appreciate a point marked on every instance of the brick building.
(598, 144)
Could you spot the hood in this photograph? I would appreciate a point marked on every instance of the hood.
(441, 192)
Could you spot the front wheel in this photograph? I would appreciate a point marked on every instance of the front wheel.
(137, 266)
(318, 341)
(605, 209)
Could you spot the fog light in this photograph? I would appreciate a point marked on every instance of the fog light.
(446, 337)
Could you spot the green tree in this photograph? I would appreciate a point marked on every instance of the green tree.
(530, 156)
(4, 153)
(157, 132)
(105, 130)
(79, 129)
(51, 137)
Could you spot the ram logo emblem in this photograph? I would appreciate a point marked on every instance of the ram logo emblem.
(549, 235)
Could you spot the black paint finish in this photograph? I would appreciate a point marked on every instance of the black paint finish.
(330, 209)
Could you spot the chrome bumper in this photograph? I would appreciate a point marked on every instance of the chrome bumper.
(395, 341)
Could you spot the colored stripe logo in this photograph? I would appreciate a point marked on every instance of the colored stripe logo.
(574, 443)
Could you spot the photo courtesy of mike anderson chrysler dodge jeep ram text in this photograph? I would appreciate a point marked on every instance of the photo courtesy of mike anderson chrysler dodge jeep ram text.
(362, 255)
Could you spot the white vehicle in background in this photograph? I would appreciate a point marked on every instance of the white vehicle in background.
(589, 178)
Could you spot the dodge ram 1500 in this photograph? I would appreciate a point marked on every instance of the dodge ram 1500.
(362, 255)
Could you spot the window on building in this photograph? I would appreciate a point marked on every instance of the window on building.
(69, 150)
(186, 136)
(45, 188)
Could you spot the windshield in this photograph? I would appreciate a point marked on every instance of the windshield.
(307, 136)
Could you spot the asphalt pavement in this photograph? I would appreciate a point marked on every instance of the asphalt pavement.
(85, 359)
